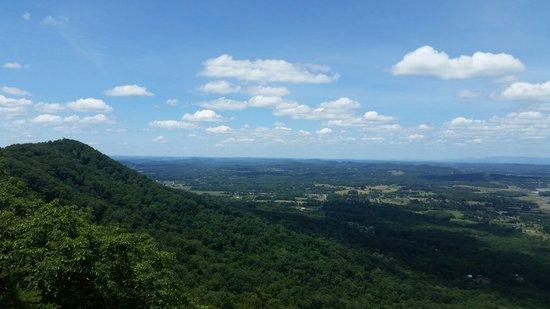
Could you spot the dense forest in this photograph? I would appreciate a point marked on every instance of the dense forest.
(78, 229)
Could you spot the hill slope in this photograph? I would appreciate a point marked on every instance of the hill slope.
(86, 218)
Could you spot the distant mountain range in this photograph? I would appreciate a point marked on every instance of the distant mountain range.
(484, 160)
(507, 160)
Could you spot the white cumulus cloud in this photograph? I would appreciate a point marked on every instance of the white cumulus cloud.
(527, 92)
(426, 61)
(12, 111)
(266, 70)
(72, 120)
(128, 90)
(171, 124)
(206, 115)
(12, 65)
(172, 102)
(369, 119)
(219, 130)
(15, 91)
(10, 107)
(337, 109)
(324, 131)
(90, 105)
(374, 116)
(10, 102)
(460, 121)
(264, 101)
(220, 87)
(526, 124)
(424, 127)
(97, 119)
(47, 119)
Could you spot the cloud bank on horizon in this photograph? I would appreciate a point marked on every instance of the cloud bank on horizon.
(239, 106)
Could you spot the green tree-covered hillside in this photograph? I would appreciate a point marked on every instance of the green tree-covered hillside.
(78, 229)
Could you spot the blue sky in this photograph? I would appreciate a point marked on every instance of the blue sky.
(317, 79)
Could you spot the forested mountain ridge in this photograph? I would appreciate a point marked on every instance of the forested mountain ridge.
(102, 234)
(74, 172)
